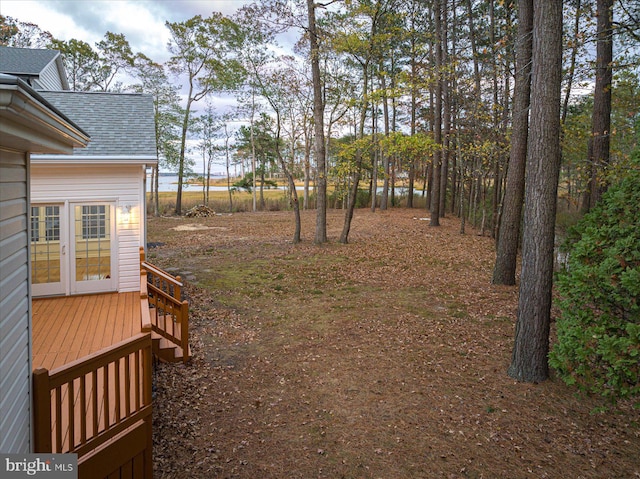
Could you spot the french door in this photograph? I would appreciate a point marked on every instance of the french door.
(48, 250)
(72, 248)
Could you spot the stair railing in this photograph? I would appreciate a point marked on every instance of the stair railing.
(168, 312)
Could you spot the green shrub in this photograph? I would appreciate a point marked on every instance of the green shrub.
(598, 346)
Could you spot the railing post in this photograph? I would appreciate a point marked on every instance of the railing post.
(177, 293)
(41, 411)
(184, 330)
(148, 401)
(142, 254)
(145, 316)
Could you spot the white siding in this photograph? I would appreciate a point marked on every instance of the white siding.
(120, 184)
(15, 354)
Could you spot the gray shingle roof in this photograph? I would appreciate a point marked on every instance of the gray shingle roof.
(119, 124)
(25, 61)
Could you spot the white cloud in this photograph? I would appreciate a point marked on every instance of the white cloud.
(141, 21)
(49, 17)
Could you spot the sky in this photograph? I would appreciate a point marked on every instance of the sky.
(141, 21)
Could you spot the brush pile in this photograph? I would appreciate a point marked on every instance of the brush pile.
(200, 211)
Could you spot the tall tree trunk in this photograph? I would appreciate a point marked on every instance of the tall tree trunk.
(496, 120)
(254, 169)
(474, 52)
(455, 157)
(446, 113)
(414, 108)
(156, 196)
(228, 165)
(601, 121)
(353, 194)
(385, 158)
(307, 166)
(572, 65)
(183, 149)
(293, 193)
(509, 233)
(318, 119)
(374, 162)
(437, 156)
(531, 346)
(208, 180)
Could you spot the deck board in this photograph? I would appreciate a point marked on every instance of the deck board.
(66, 328)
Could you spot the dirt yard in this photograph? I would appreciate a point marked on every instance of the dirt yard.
(384, 358)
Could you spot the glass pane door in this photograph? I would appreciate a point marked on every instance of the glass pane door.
(92, 269)
(47, 250)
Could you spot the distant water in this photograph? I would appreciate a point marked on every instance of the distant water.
(170, 183)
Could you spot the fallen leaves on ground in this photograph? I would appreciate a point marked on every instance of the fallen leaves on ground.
(382, 358)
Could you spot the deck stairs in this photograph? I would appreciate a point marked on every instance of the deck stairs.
(165, 349)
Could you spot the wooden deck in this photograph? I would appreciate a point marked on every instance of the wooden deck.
(70, 327)
(92, 380)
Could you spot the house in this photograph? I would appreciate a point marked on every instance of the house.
(88, 207)
(28, 123)
(72, 224)
(41, 69)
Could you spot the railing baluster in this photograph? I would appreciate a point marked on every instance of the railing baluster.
(94, 402)
(105, 397)
(83, 408)
(137, 379)
(72, 414)
(127, 386)
(58, 402)
(116, 381)
(184, 331)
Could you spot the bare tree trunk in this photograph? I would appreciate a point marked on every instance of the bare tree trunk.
(374, 165)
(496, 121)
(446, 114)
(353, 194)
(307, 167)
(599, 141)
(183, 149)
(385, 158)
(437, 156)
(253, 155)
(509, 233)
(318, 119)
(228, 165)
(531, 345)
(156, 184)
(572, 65)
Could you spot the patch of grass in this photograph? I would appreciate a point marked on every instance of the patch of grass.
(458, 313)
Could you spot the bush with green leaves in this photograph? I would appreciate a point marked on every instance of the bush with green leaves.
(598, 345)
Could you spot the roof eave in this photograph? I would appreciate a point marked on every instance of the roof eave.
(74, 160)
(24, 113)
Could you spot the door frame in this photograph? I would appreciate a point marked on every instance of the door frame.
(97, 285)
(68, 284)
(59, 287)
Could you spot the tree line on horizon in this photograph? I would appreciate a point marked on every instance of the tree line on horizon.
(496, 111)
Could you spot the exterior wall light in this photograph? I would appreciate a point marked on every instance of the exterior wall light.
(125, 214)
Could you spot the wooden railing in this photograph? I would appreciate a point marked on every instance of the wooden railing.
(83, 406)
(169, 313)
